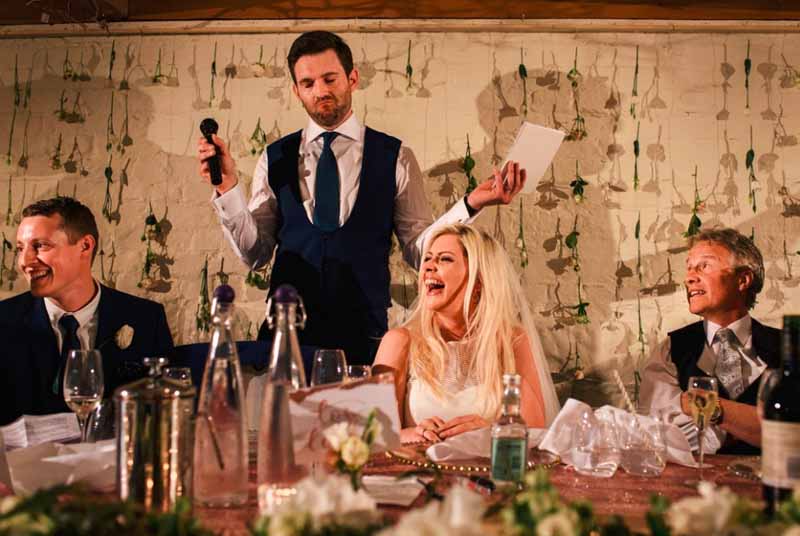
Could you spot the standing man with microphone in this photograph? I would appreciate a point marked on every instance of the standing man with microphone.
(329, 197)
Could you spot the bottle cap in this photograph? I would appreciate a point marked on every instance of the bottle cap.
(285, 294)
(224, 294)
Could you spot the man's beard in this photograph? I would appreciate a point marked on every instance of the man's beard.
(333, 115)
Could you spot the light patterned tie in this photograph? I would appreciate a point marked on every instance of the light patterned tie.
(729, 363)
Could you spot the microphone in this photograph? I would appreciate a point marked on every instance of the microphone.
(208, 127)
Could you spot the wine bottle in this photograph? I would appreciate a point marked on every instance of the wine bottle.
(780, 427)
(510, 436)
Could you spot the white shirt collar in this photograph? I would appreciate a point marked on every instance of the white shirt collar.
(351, 128)
(85, 315)
(742, 328)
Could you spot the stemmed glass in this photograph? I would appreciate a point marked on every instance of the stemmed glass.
(330, 366)
(703, 394)
(358, 371)
(83, 384)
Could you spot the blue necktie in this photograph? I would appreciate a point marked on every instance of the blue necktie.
(326, 189)
(69, 329)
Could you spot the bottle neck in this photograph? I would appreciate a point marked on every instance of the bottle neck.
(791, 345)
(511, 405)
(221, 312)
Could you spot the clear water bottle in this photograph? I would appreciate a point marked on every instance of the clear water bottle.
(510, 436)
(220, 448)
(276, 464)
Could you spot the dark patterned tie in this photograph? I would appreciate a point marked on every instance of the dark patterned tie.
(69, 331)
(326, 188)
(729, 363)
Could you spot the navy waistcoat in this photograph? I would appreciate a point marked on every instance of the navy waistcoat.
(342, 275)
(686, 347)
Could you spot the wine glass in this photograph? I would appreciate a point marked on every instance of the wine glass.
(83, 384)
(330, 366)
(703, 394)
(359, 371)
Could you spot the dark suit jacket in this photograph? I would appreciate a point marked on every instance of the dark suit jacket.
(30, 360)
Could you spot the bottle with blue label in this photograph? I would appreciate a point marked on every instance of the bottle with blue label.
(510, 436)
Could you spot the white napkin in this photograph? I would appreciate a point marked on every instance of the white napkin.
(386, 489)
(558, 438)
(474, 444)
(31, 468)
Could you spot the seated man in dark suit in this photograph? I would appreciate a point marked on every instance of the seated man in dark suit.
(68, 309)
(724, 273)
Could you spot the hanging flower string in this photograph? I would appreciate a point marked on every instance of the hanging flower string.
(523, 76)
(109, 173)
(110, 135)
(635, 90)
(11, 136)
(637, 235)
(258, 139)
(123, 84)
(578, 184)
(636, 158)
(578, 130)
(747, 66)
(112, 58)
(151, 229)
(61, 113)
(521, 247)
(752, 182)
(580, 315)
(8, 212)
(7, 246)
(157, 76)
(67, 72)
(409, 68)
(17, 88)
(23, 158)
(574, 75)
(76, 116)
(213, 75)
(694, 221)
(203, 314)
(125, 140)
(55, 160)
(468, 165)
(571, 241)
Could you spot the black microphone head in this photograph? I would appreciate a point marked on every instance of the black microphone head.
(208, 127)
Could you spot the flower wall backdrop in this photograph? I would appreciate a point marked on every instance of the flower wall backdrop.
(667, 133)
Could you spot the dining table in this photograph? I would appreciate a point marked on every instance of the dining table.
(622, 494)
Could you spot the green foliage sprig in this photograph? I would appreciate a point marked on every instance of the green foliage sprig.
(636, 158)
(635, 89)
(203, 314)
(68, 510)
(468, 165)
(749, 162)
(578, 184)
(523, 76)
(258, 139)
(409, 68)
(694, 221)
(578, 130)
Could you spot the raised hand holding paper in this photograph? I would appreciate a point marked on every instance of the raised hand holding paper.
(534, 148)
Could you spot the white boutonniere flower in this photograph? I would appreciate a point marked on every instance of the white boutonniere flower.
(124, 336)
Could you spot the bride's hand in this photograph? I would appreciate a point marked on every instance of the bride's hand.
(459, 425)
(426, 430)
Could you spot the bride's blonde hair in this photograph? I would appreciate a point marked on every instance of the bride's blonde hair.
(495, 310)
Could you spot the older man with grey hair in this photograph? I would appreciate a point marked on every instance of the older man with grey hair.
(724, 273)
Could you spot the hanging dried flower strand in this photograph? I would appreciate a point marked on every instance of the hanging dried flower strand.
(752, 182)
(578, 184)
(203, 314)
(635, 89)
(213, 75)
(636, 158)
(112, 58)
(694, 221)
(748, 64)
(523, 76)
(468, 165)
(520, 243)
(109, 174)
(409, 68)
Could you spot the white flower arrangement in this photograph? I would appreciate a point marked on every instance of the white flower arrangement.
(352, 451)
(460, 513)
(124, 337)
(322, 505)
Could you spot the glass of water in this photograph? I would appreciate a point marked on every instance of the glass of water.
(643, 445)
(596, 443)
(330, 366)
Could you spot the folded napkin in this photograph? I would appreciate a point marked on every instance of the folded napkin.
(27, 469)
(474, 444)
(558, 438)
(386, 489)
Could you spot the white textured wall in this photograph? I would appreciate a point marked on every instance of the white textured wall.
(690, 113)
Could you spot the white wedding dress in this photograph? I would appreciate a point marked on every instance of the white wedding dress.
(461, 391)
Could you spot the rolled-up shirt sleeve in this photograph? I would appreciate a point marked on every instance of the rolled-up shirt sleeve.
(413, 221)
(661, 396)
(250, 227)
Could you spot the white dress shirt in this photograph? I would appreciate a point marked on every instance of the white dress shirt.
(661, 392)
(86, 317)
(252, 227)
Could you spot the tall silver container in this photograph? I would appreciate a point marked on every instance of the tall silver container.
(155, 439)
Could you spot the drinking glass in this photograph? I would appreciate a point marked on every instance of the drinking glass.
(597, 445)
(83, 384)
(359, 371)
(182, 375)
(101, 423)
(703, 400)
(330, 366)
(643, 444)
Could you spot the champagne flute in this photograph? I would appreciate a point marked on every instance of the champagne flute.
(330, 366)
(703, 394)
(83, 384)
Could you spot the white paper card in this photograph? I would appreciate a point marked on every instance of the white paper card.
(534, 148)
(313, 410)
(31, 430)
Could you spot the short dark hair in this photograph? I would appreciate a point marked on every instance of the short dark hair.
(317, 42)
(746, 255)
(76, 218)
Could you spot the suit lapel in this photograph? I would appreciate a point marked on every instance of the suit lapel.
(107, 321)
(45, 357)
